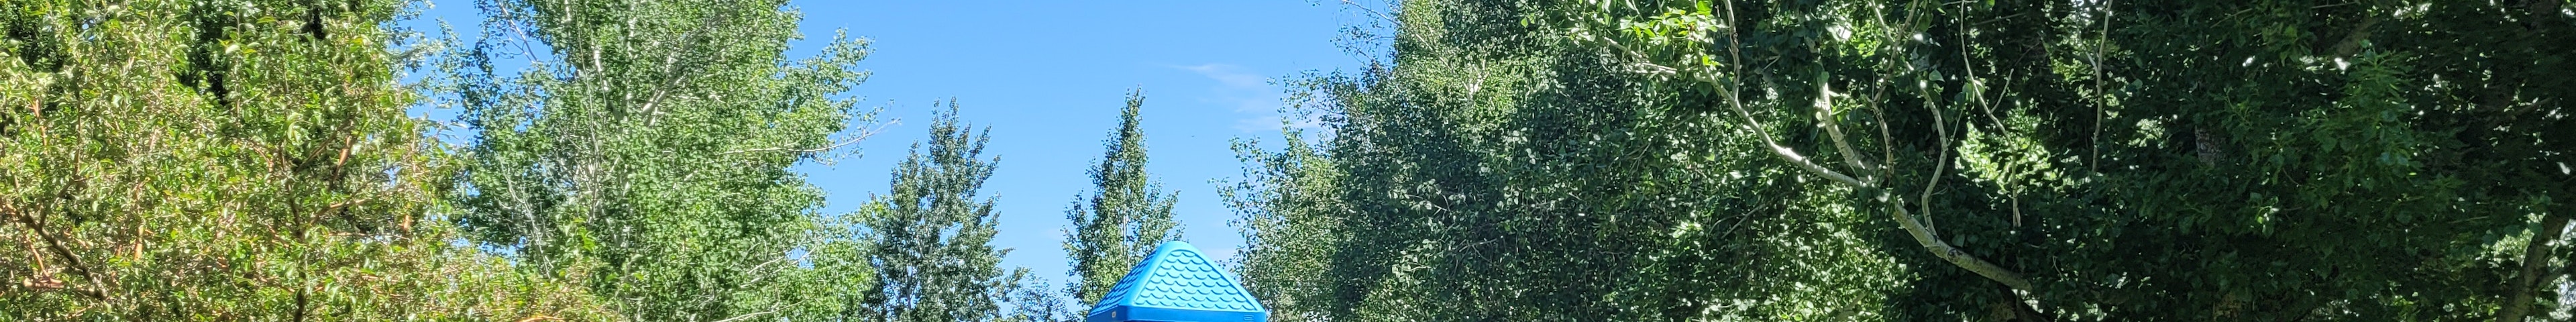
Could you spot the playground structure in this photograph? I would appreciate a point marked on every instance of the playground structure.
(1177, 283)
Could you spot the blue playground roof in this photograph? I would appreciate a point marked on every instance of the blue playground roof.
(1177, 284)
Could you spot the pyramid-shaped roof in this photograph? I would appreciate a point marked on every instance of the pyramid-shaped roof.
(1177, 284)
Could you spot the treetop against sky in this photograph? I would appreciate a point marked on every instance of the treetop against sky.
(1048, 78)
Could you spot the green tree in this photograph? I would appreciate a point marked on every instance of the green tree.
(644, 154)
(1484, 172)
(933, 236)
(1128, 214)
(230, 160)
(1032, 300)
(1926, 160)
(2112, 167)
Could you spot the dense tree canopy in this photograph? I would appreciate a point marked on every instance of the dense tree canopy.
(644, 153)
(1498, 160)
(2026, 160)
(229, 160)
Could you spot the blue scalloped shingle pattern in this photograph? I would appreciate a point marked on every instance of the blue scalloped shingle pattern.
(1178, 277)
(1184, 280)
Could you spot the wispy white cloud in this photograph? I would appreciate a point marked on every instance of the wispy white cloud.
(1230, 75)
(1251, 96)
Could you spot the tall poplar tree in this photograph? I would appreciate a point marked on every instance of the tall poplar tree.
(1128, 214)
(645, 153)
(933, 234)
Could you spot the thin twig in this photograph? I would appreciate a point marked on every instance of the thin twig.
(37, 226)
(747, 315)
(1373, 12)
(2101, 100)
(671, 70)
(863, 136)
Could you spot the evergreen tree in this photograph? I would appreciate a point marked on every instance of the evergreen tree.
(933, 235)
(1128, 214)
(646, 154)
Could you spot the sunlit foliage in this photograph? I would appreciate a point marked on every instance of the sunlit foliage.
(230, 160)
(641, 150)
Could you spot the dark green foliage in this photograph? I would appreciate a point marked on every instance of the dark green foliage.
(1490, 175)
(1128, 214)
(1508, 160)
(1661, 160)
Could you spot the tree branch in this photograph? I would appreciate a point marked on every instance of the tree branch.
(1922, 234)
(2101, 100)
(1372, 12)
(56, 246)
(2351, 40)
(2534, 257)
(863, 136)
(1943, 250)
(747, 316)
(1735, 60)
(1826, 119)
(1940, 162)
(672, 73)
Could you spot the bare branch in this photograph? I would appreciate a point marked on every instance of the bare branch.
(1887, 150)
(1923, 235)
(1784, 152)
(747, 316)
(1941, 128)
(671, 72)
(2101, 100)
(2534, 257)
(1826, 119)
(1372, 12)
(37, 226)
(1918, 229)
(1794, 159)
(1735, 60)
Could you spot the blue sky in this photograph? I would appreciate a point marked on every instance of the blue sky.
(1048, 78)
